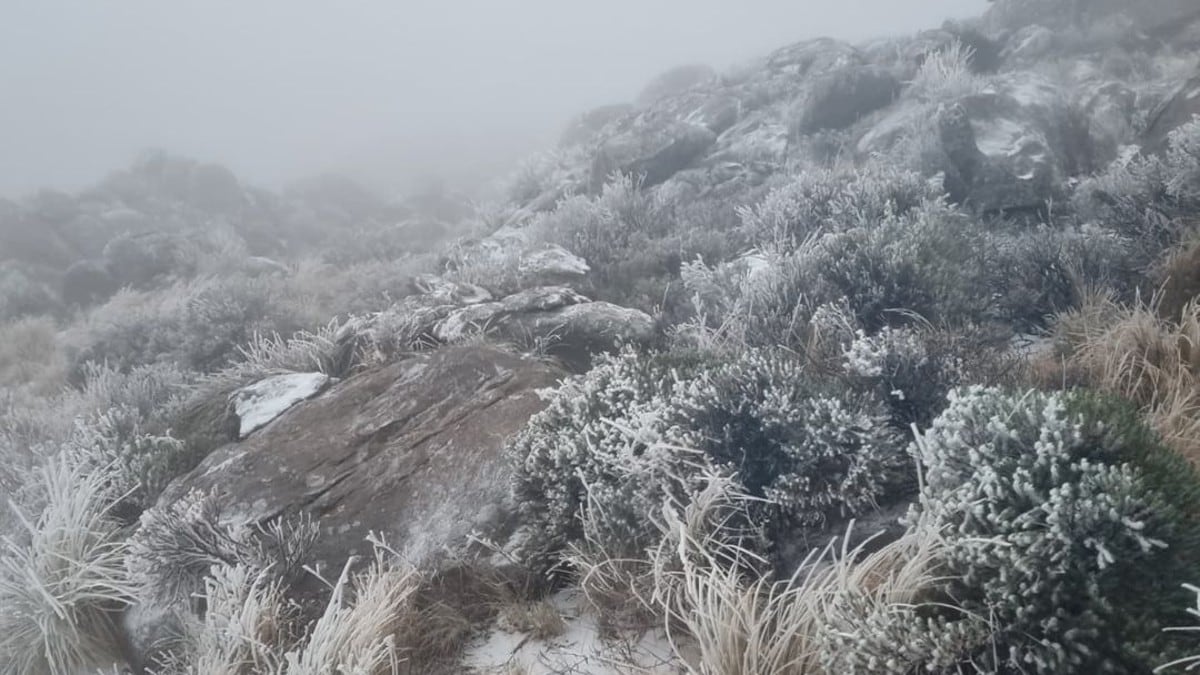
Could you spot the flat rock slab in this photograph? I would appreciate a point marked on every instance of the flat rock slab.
(413, 451)
(259, 403)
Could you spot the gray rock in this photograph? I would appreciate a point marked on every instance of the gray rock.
(412, 451)
(449, 292)
(840, 98)
(1029, 44)
(551, 263)
(813, 57)
(1179, 109)
(1111, 109)
(565, 323)
(650, 154)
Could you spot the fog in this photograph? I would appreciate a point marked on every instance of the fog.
(385, 90)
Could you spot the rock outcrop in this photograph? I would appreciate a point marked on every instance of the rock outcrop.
(412, 450)
(1180, 108)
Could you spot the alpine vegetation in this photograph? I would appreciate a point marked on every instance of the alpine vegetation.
(856, 358)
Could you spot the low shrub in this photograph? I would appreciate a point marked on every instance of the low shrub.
(637, 427)
(1066, 524)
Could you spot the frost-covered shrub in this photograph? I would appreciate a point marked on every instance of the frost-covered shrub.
(913, 368)
(1067, 525)
(1149, 199)
(22, 295)
(595, 432)
(637, 428)
(1038, 272)
(947, 75)
(177, 546)
(198, 324)
(810, 454)
(834, 200)
(927, 262)
(227, 314)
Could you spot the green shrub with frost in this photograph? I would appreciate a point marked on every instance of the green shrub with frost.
(1067, 525)
(809, 454)
(926, 262)
(603, 432)
(637, 428)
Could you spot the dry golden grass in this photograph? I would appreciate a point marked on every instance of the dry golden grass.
(1135, 352)
(724, 615)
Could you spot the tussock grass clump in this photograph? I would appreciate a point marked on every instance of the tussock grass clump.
(62, 579)
(845, 609)
(1133, 351)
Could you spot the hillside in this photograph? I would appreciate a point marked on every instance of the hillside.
(858, 358)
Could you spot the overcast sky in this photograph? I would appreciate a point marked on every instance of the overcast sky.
(280, 89)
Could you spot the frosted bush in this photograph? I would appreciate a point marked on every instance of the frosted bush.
(606, 430)
(1059, 526)
(178, 545)
(946, 75)
(1148, 199)
(810, 455)
(833, 200)
(636, 428)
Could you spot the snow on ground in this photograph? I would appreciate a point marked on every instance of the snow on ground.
(579, 650)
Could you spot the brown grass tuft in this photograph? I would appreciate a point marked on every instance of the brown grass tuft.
(1134, 352)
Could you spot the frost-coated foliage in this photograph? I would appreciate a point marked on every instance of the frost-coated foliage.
(637, 428)
(811, 454)
(62, 580)
(946, 75)
(603, 431)
(1063, 519)
(1150, 199)
(834, 200)
(178, 545)
(928, 262)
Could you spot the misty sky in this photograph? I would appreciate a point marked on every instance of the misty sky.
(383, 89)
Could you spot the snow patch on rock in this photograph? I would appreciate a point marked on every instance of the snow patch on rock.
(259, 403)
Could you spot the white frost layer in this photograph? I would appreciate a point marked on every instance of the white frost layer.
(263, 401)
(580, 650)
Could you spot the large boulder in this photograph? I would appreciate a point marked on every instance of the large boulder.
(652, 153)
(412, 451)
(840, 98)
(813, 57)
(557, 319)
(1111, 109)
(1179, 109)
(1007, 147)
